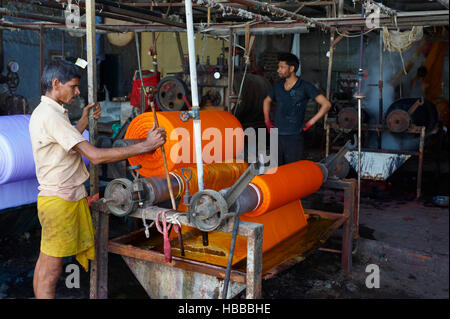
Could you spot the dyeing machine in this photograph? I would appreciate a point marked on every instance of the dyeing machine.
(247, 224)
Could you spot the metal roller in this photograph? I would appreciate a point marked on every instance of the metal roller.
(122, 197)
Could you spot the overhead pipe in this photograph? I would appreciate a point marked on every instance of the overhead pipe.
(98, 12)
(110, 9)
(282, 13)
(41, 17)
(194, 93)
(228, 10)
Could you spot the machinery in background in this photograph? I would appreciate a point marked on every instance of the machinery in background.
(408, 124)
(11, 103)
(173, 95)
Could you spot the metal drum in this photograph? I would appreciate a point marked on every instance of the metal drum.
(401, 117)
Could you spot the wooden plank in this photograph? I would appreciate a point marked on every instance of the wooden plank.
(99, 266)
(186, 264)
(254, 264)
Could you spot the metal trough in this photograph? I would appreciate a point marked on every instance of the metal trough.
(376, 166)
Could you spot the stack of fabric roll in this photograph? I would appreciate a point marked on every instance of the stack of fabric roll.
(18, 183)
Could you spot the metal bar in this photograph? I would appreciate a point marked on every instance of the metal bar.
(42, 17)
(341, 4)
(116, 11)
(380, 87)
(6, 25)
(278, 4)
(419, 170)
(194, 93)
(98, 279)
(41, 53)
(271, 9)
(230, 257)
(180, 52)
(413, 129)
(228, 10)
(436, 18)
(230, 69)
(376, 150)
(346, 257)
(98, 12)
(331, 250)
(186, 264)
(254, 263)
(330, 67)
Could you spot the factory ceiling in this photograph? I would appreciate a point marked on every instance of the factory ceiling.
(220, 15)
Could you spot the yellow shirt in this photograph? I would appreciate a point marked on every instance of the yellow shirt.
(59, 169)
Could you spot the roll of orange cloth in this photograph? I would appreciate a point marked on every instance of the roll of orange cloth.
(222, 140)
(217, 176)
(281, 185)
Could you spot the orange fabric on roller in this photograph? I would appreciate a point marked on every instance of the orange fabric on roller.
(290, 182)
(216, 176)
(183, 155)
(279, 223)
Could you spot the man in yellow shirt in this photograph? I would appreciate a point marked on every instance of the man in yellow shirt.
(57, 148)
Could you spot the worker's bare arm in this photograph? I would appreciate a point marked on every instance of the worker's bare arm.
(325, 106)
(266, 108)
(155, 139)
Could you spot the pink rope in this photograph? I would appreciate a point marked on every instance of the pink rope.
(167, 248)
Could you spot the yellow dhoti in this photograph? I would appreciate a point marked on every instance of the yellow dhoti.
(66, 229)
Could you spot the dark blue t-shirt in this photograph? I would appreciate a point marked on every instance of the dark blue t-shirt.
(291, 105)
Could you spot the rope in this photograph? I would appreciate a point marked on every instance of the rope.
(249, 40)
(165, 233)
(399, 41)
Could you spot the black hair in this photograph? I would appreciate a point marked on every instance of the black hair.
(422, 71)
(63, 70)
(290, 59)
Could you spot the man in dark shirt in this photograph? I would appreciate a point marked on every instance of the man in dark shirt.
(291, 95)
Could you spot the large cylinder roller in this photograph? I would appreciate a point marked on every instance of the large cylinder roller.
(281, 185)
(222, 140)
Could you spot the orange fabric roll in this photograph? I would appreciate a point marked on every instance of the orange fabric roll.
(279, 223)
(290, 182)
(218, 143)
(216, 176)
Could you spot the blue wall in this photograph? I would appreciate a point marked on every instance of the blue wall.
(23, 47)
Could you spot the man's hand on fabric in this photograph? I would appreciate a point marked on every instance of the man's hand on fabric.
(270, 125)
(97, 111)
(307, 126)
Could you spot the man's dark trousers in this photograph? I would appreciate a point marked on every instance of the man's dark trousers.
(290, 148)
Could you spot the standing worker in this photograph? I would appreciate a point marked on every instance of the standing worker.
(291, 94)
(63, 210)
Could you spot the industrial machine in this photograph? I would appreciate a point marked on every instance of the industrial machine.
(11, 103)
(405, 129)
(247, 223)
